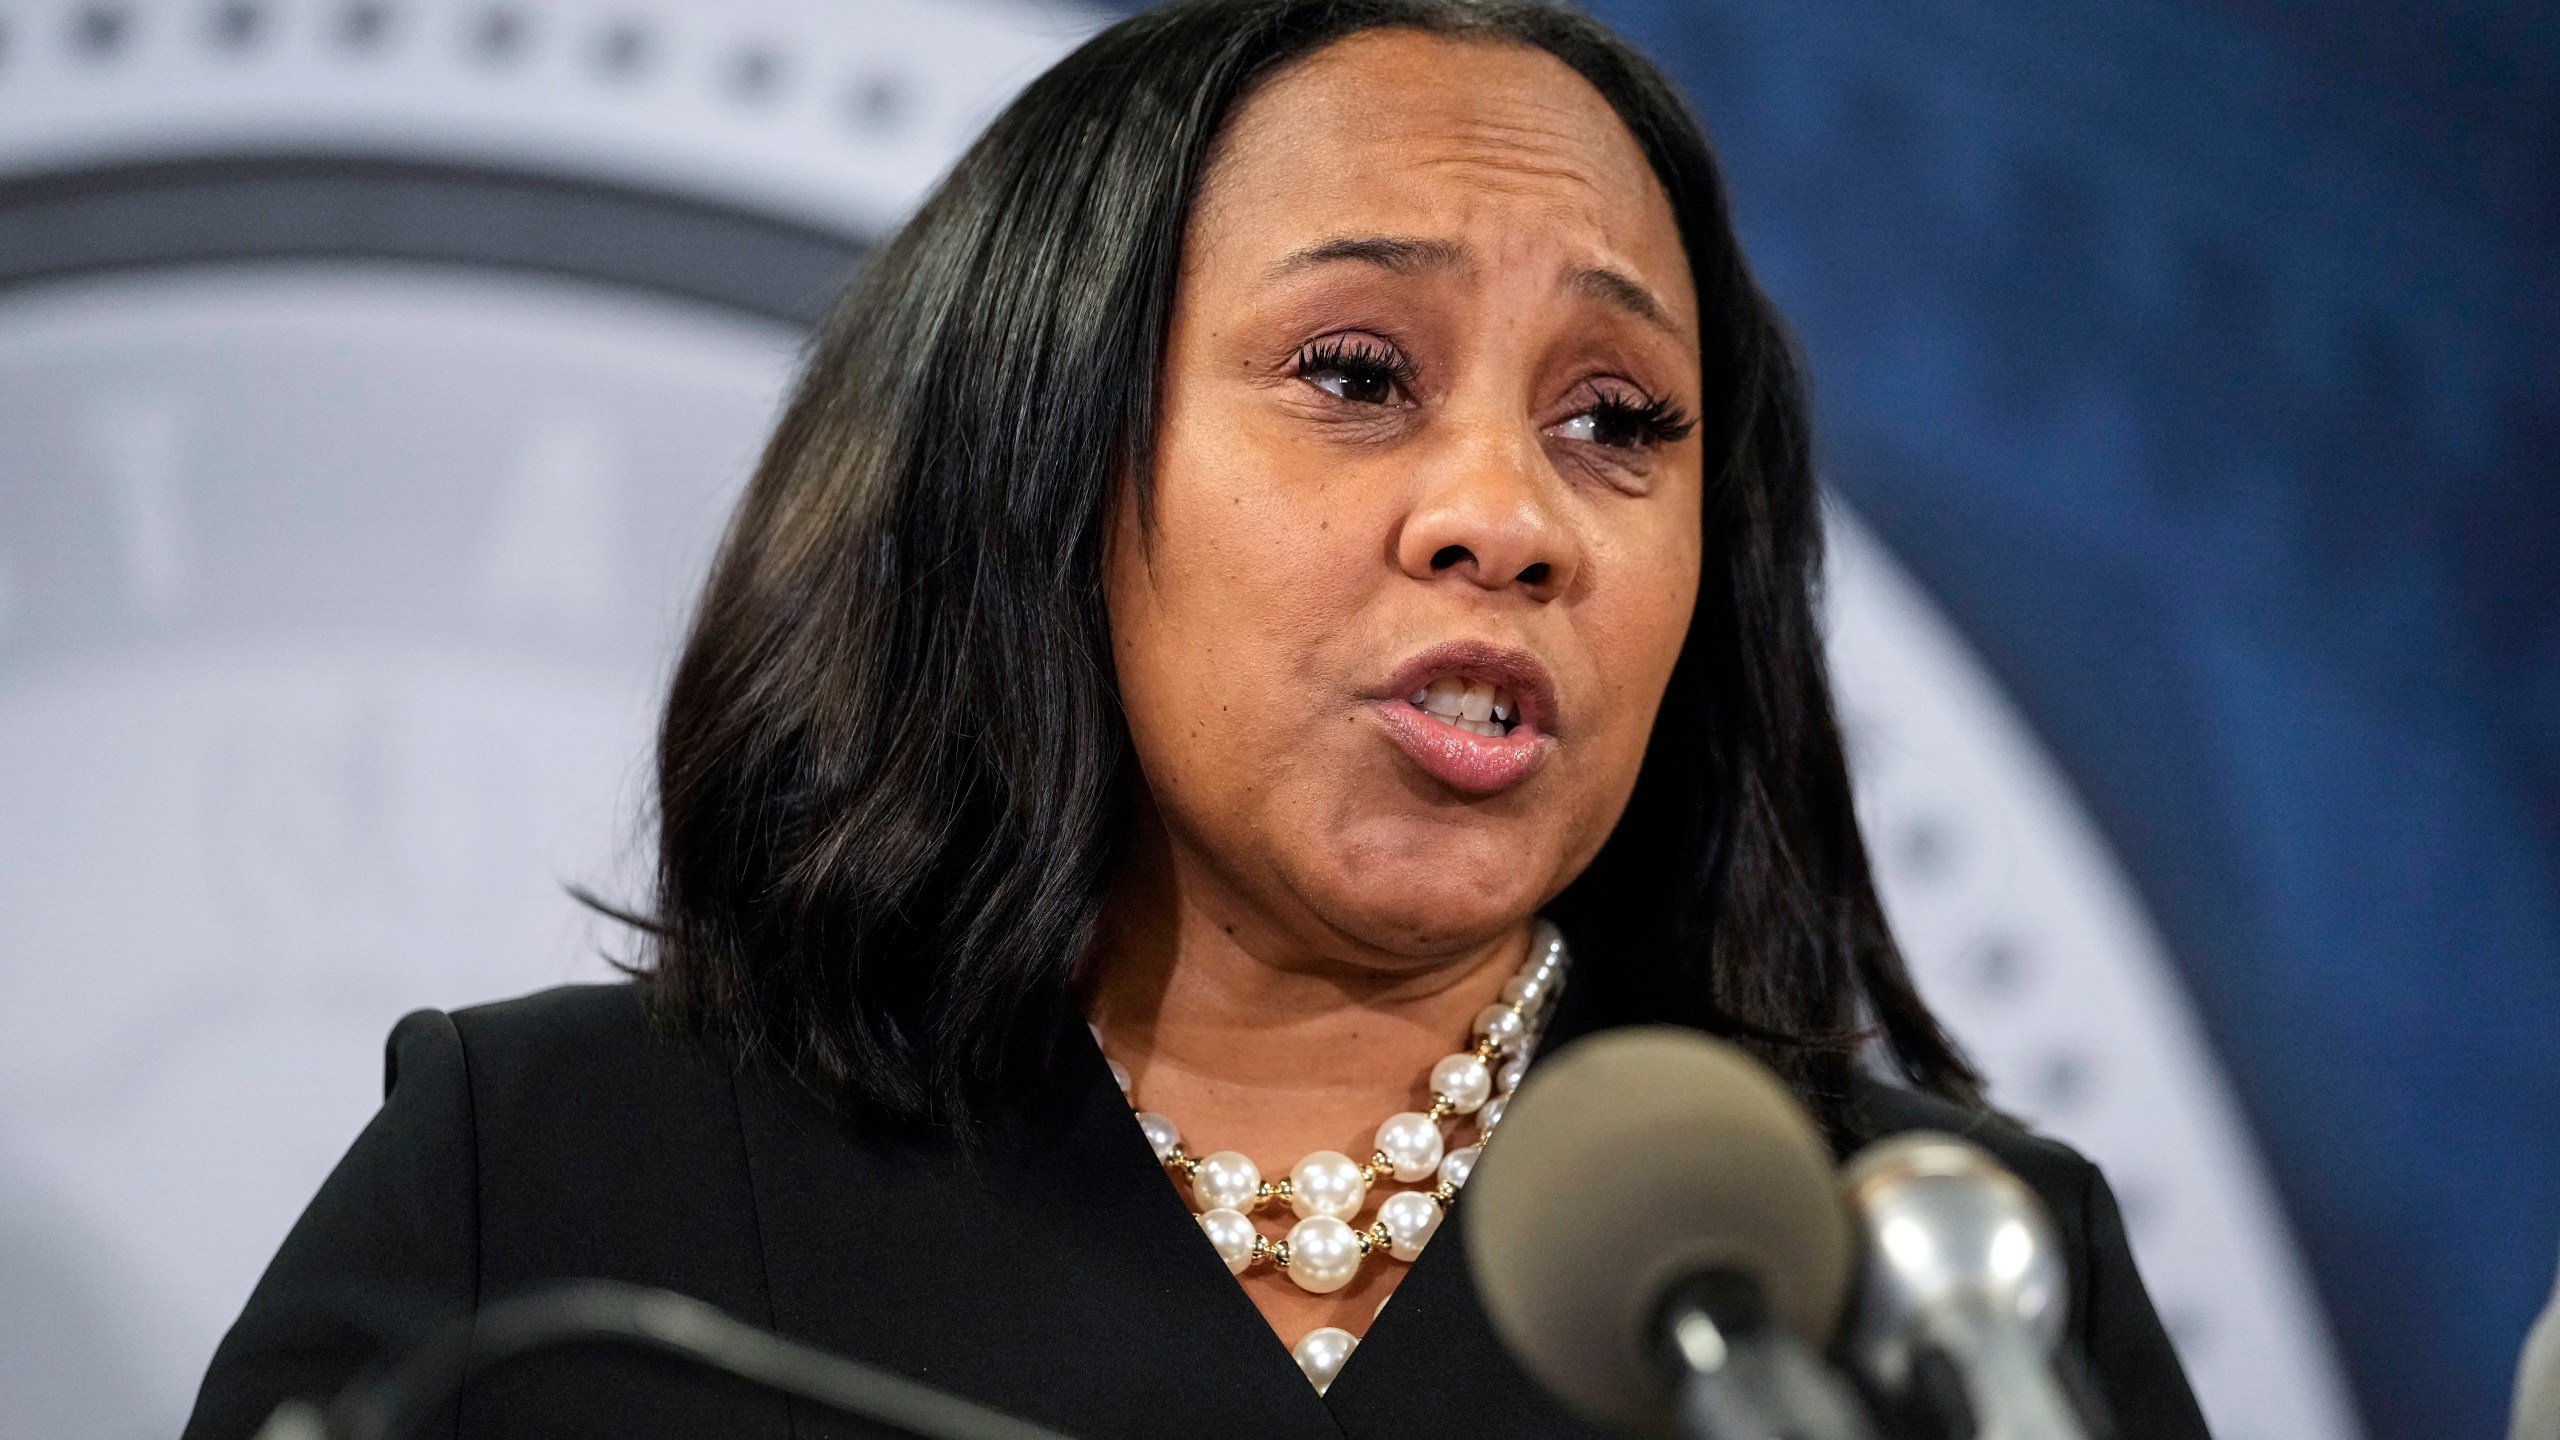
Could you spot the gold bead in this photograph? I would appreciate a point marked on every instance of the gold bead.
(1361, 1239)
(1446, 1193)
(1280, 1254)
(1442, 1107)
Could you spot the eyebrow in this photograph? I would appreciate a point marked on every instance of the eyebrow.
(1405, 254)
(1623, 292)
(1390, 252)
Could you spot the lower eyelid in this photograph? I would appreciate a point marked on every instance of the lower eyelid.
(1626, 472)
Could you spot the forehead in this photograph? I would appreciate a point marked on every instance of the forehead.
(1496, 145)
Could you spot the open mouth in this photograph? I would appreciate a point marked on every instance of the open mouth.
(1478, 707)
(1477, 717)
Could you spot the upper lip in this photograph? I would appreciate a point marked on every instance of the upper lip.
(1515, 670)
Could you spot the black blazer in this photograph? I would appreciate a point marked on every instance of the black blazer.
(1054, 1273)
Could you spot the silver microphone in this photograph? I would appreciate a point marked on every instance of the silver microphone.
(1964, 1282)
(2536, 1415)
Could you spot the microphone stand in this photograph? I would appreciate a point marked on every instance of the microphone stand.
(1743, 1376)
(2006, 1381)
(386, 1405)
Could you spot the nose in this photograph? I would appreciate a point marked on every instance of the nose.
(1488, 516)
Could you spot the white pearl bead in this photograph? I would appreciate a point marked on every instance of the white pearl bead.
(1491, 1114)
(1507, 1079)
(1410, 1216)
(1324, 1254)
(1119, 1075)
(1231, 1235)
(1327, 1183)
(1321, 1355)
(1411, 1143)
(1458, 1164)
(1502, 1025)
(1464, 1080)
(1526, 989)
(1160, 1133)
(1226, 1181)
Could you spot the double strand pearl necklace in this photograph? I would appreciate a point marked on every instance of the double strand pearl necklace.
(1325, 1189)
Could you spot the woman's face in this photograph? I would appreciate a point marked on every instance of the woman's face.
(1426, 500)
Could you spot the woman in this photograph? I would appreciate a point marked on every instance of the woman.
(1315, 491)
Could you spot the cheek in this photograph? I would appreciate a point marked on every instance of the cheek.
(1224, 626)
(1637, 621)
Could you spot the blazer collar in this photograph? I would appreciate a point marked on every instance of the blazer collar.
(1051, 1272)
(1055, 1273)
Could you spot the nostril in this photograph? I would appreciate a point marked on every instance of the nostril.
(1448, 555)
(1535, 574)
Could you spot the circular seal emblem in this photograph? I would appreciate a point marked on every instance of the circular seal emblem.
(374, 378)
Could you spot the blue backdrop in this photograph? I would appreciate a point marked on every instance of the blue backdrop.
(2201, 358)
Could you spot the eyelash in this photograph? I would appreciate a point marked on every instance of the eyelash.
(1356, 358)
(1658, 421)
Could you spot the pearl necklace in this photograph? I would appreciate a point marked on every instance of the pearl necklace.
(1327, 1188)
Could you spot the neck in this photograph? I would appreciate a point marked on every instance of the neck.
(1255, 1036)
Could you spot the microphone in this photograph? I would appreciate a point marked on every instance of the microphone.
(389, 1404)
(2537, 1405)
(1964, 1294)
(1659, 1239)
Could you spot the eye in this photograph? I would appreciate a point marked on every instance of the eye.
(1621, 422)
(1359, 369)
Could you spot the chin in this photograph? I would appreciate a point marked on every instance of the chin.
(1433, 899)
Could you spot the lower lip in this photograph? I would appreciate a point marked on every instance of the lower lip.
(1459, 759)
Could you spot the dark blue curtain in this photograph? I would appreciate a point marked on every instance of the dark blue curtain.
(2201, 358)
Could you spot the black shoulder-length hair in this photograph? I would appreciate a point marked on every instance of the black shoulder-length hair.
(893, 774)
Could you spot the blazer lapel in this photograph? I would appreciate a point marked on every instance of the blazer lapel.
(1053, 1274)
(1431, 1364)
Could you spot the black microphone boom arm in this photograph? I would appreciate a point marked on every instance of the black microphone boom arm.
(385, 1405)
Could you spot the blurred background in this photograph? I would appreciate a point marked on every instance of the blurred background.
(374, 375)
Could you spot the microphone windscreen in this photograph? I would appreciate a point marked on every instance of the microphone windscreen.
(1626, 1164)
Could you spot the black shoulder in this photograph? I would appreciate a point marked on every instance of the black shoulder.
(606, 1144)
(554, 1137)
(560, 1026)
(2116, 1335)
(386, 1252)
(578, 1060)
(2058, 1173)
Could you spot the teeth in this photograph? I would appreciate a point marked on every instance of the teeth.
(1472, 705)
